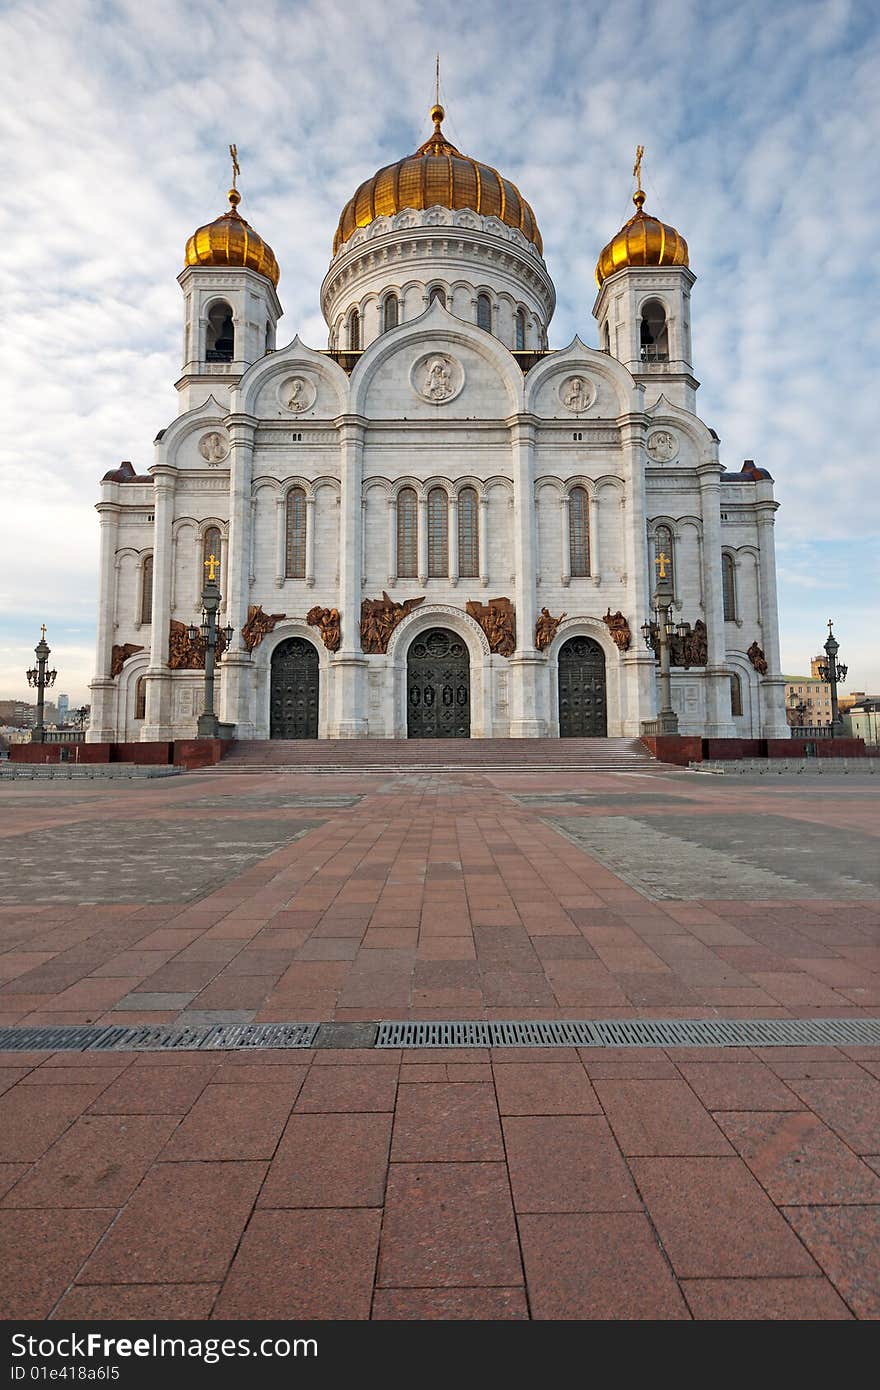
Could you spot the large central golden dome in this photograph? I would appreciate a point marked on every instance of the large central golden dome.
(437, 175)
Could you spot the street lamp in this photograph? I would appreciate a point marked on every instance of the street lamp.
(40, 678)
(658, 634)
(833, 672)
(82, 715)
(209, 725)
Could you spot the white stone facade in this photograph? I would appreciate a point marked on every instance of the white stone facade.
(437, 402)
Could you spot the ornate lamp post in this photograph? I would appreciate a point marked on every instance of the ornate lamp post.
(40, 678)
(833, 672)
(209, 724)
(82, 714)
(658, 633)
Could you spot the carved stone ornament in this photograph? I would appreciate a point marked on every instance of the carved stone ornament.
(119, 655)
(757, 658)
(498, 621)
(379, 618)
(692, 650)
(437, 378)
(214, 448)
(545, 629)
(328, 622)
(662, 446)
(184, 655)
(577, 394)
(258, 625)
(619, 628)
(297, 394)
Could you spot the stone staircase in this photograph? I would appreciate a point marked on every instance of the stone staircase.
(438, 755)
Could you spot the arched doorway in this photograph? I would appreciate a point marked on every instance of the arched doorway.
(293, 699)
(438, 686)
(582, 709)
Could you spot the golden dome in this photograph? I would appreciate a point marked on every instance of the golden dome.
(437, 174)
(643, 241)
(229, 240)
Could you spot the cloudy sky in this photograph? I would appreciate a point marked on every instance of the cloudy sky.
(760, 119)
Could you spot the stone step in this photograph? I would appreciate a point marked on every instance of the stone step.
(434, 755)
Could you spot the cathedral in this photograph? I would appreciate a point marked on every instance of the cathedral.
(437, 526)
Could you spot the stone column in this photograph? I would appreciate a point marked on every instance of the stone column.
(639, 672)
(565, 540)
(423, 540)
(773, 720)
(280, 540)
(483, 541)
(102, 728)
(392, 541)
(719, 721)
(236, 666)
(310, 540)
(527, 717)
(453, 540)
(159, 719)
(595, 551)
(349, 665)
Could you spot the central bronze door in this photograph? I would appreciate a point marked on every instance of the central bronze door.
(438, 686)
(582, 712)
(293, 701)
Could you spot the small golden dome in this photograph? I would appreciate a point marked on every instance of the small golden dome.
(437, 175)
(642, 241)
(229, 240)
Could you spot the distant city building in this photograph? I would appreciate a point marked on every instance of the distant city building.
(810, 691)
(63, 708)
(17, 714)
(862, 719)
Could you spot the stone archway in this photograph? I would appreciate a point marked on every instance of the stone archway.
(438, 685)
(294, 690)
(583, 711)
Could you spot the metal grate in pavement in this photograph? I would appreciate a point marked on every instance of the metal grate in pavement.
(503, 1034)
(778, 1032)
(217, 1037)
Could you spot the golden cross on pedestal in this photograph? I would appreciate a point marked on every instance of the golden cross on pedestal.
(43, 630)
(437, 81)
(211, 566)
(233, 153)
(637, 167)
(661, 562)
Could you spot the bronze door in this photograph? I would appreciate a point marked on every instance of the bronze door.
(293, 702)
(438, 686)
(582, 712)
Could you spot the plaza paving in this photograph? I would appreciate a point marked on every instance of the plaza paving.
(507, 1183)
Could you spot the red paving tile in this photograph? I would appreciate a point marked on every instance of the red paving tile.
(764, 1300)
(98, 1162)
(342, 1088)
(330, 1161)
(138, 1302)
(42, 1252)
(798, 1160)
(448, 1122)
(566, 1163)
(491, 1305)
(33, 1117)
(846, 1243)
(544, 1088)
(659, 1117)
(231, 1121)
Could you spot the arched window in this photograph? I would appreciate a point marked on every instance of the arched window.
(407, 534)
(268, 336)
(606, 337)
(520, 330)
(210, 546)
(579, 531)
(295, 539)
(140, 698)
(728, 587)
(438, 533)
(438, 293)
(654, 332)
(354, 331)
(220, 337)
(390, 313)
(468, 534)
(484, 312)
(147, 590)
(663, 546)
(736, 696)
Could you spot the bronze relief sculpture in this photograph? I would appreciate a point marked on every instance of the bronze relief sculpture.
(757, 658)
(498, 621)
(328, 622)
(119, 655)
(258, 625)
(619, 628)
(545, 629)
(379, 618)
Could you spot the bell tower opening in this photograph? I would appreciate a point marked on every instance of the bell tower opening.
(654, 333)
(220, 336)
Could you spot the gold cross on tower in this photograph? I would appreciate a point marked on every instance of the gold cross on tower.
(233, 154)
(637, 167)
(211, 566)
(661, 562)
(43, 630)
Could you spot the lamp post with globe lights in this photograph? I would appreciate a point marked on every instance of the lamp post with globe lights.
(209, 724)
(41, 679)
(832, 671)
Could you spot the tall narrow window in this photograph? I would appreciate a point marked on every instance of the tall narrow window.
(484, 312)
(354, 331)
(390, 313)
(437, 293)
(654, 332)
(407, 534)
(606, 338)
(438, 533)
(295, 548)
(520, 330)
(210, 546)
(728, 587)
(220, 334)
(468, 534)
(140, 698)
(268, 336)
(736, 696)
(147, 590)
(663, 546)
(579, 531)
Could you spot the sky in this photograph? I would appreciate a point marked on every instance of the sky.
(760, 121)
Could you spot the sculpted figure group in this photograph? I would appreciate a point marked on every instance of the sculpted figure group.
(328, 622)
(498, 621)
(379, 618)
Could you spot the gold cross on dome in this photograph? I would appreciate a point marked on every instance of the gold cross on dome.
(661, 562)
(233, 154)
(637, 167)
(43, 630)
(211, 566)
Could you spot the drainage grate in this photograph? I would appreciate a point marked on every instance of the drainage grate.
(776, 1032)
(218, 1037)
(58, 1039)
